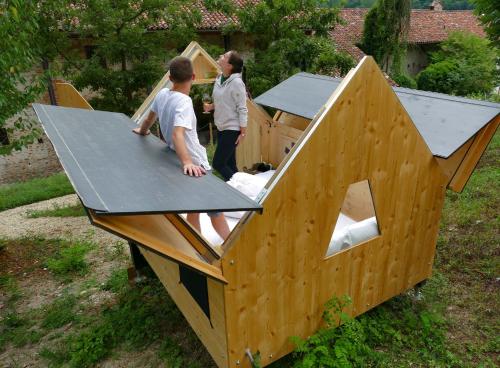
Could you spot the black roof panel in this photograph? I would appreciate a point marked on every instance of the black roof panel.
(115, 171)
(445, 122)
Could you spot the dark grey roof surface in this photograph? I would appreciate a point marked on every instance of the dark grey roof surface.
(115, 171)
(445, 122)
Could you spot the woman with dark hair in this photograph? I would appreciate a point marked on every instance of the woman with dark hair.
(230, 112)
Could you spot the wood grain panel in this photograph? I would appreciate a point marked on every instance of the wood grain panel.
(249, 151)
(278, 280)
(212, 335)
(68, 96)
(294, 121)
(159, 234)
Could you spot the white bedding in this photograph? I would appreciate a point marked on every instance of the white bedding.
(347, 231)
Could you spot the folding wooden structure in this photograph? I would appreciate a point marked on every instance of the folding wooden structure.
(358, 154)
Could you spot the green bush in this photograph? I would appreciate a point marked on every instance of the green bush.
(404, 80)
(440, 77)
(465, 64)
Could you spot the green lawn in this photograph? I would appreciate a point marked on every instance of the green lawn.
(35, 190)
(76, 210)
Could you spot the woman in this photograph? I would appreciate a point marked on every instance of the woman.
(230, 112)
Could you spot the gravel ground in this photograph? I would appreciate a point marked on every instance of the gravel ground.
(15, 224)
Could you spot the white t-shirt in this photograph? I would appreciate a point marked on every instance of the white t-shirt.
(175, 109)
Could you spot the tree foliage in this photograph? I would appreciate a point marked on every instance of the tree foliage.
(18, 31)
(465, 64)
(289, 36)
(385, 33)
(488, 12)
(125, 56)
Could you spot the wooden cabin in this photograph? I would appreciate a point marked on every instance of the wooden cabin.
(352, 208)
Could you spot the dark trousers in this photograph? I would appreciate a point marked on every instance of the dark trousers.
(225, 153)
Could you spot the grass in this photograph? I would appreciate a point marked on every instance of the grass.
(29, 255)
(70, 261)
(66, 211)
(60, 312)
(139, 318)
(35, 190)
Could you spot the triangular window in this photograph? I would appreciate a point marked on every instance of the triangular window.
(357, 221)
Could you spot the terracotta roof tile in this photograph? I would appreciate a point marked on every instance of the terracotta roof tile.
(426, 26)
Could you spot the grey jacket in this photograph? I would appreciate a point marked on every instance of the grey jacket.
(230, 103)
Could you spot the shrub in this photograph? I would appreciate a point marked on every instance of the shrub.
(440, 77)
(465, 64)
(404, 80)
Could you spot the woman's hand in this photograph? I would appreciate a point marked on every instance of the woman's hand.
(208, 107)
(243, 133)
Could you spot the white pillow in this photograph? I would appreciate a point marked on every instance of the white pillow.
(249, 185)
(363, 230)
(352, 234)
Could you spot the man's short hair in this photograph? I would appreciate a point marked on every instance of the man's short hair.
(181, 69)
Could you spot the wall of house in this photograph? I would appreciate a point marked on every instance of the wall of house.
(36, 160)
(417, 58)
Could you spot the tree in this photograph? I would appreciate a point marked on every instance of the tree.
(385, 33)
(488, 12)
(18, 34)
(465, 64)
(289, 36)
(125, 56)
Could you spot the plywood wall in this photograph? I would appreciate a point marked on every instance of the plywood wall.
(278, 278)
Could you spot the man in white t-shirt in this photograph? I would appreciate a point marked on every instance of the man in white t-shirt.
(174, 109)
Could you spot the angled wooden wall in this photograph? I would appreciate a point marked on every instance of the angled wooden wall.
(278, 278)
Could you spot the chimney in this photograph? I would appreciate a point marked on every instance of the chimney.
(436, 5)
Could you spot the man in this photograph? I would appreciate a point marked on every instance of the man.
(174, 109)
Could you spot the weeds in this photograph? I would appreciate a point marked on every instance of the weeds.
(70, 261)
(138, 319)
(117, 282)
(60, 312)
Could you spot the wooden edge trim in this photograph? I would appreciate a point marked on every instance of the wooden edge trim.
(473, 155)
(172, 254)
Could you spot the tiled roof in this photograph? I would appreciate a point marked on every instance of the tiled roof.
(348, 34)
(426, 26)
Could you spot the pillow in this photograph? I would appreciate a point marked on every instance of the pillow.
(249, 185)
(352, 234)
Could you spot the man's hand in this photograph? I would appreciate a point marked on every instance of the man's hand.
(193, 170)
(140, 132)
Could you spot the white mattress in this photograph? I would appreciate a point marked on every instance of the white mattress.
(347, 231)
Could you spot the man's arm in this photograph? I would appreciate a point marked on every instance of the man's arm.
(143, 129)
(182, 152)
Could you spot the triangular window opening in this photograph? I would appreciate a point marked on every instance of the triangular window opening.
(357, 221)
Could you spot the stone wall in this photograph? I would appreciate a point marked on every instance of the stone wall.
(36, 160)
